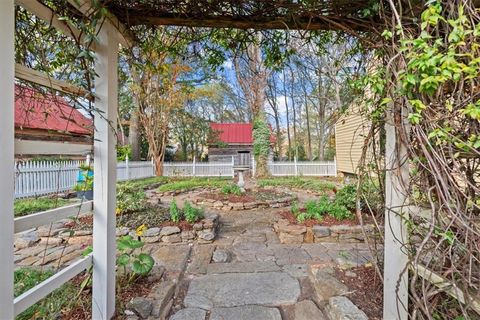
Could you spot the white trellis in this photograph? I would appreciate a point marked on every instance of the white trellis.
(104, 247)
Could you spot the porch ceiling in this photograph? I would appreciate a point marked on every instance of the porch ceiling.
(246, 14)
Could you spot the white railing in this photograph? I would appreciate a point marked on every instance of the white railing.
(303, 168)
(40, 291)
(198, 169)
(34, 178)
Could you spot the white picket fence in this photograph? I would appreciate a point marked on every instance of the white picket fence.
(198, 169)
(38, 178)
(34, 178)
(129, 170)
(303, 168)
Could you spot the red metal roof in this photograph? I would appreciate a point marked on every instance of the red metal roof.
(35, 110)
(240, 133)
(236, 133)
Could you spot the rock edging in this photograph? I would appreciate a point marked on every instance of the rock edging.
(289, 233)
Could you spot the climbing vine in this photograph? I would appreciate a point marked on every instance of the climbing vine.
(428, 73)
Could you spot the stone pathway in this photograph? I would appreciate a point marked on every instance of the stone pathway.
(246, 273)
(256, 277)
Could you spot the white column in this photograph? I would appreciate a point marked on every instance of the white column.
(105, 175)
(7, 33)
(395, 305)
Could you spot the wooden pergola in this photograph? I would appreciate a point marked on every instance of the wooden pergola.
(346, 15)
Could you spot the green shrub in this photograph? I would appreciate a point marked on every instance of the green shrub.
(321, 207)
(340, 212)
(129, 198)
(232, 189)
(26, 206)
(174, 212)
(347, 196)
(192, 214)
(51, 306)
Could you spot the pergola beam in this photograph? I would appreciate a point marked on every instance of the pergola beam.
(85, 7)
(281, 23)
(37, 77)
(46, 14)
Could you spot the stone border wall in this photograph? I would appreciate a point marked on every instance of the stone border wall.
(237, 206)
(204, 231)
(289, 233)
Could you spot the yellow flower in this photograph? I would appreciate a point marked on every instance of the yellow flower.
(140, 230)
(118, 211)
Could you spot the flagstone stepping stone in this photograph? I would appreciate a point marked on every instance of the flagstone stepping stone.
(239, 289)
(246, 313)
(242, 267)
(189, 314)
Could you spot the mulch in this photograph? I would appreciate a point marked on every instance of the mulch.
(366, 289)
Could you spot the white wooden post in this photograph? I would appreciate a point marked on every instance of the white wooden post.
(233, 167)
(335, 165)
(193, 166)
(7, 174)
(88, 160)
(127, 170)
(296, 167)
(105, 166)
(395, 291)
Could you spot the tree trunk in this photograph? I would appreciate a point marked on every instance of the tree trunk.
(288, 116)
(134, 135)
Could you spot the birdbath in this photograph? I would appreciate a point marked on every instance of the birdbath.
(241, 181)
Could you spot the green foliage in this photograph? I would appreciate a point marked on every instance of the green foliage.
(123, 152)
(232, 189)
(129, 198)
(86, 181)
(51, 306)
(261, 138)
(146, 183)
(174, 212)
(189, 184)
(312, 184)
(347, 196)
(340, 208)
(26, 206)
(192, 214)
(137, 264)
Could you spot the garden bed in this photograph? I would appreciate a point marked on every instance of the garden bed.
(251, 199)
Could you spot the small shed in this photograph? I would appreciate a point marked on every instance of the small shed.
(229, 140)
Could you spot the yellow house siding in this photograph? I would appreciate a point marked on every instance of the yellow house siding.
(350, 132)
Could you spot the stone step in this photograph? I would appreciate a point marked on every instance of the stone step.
(249, 312)
(240, 289)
